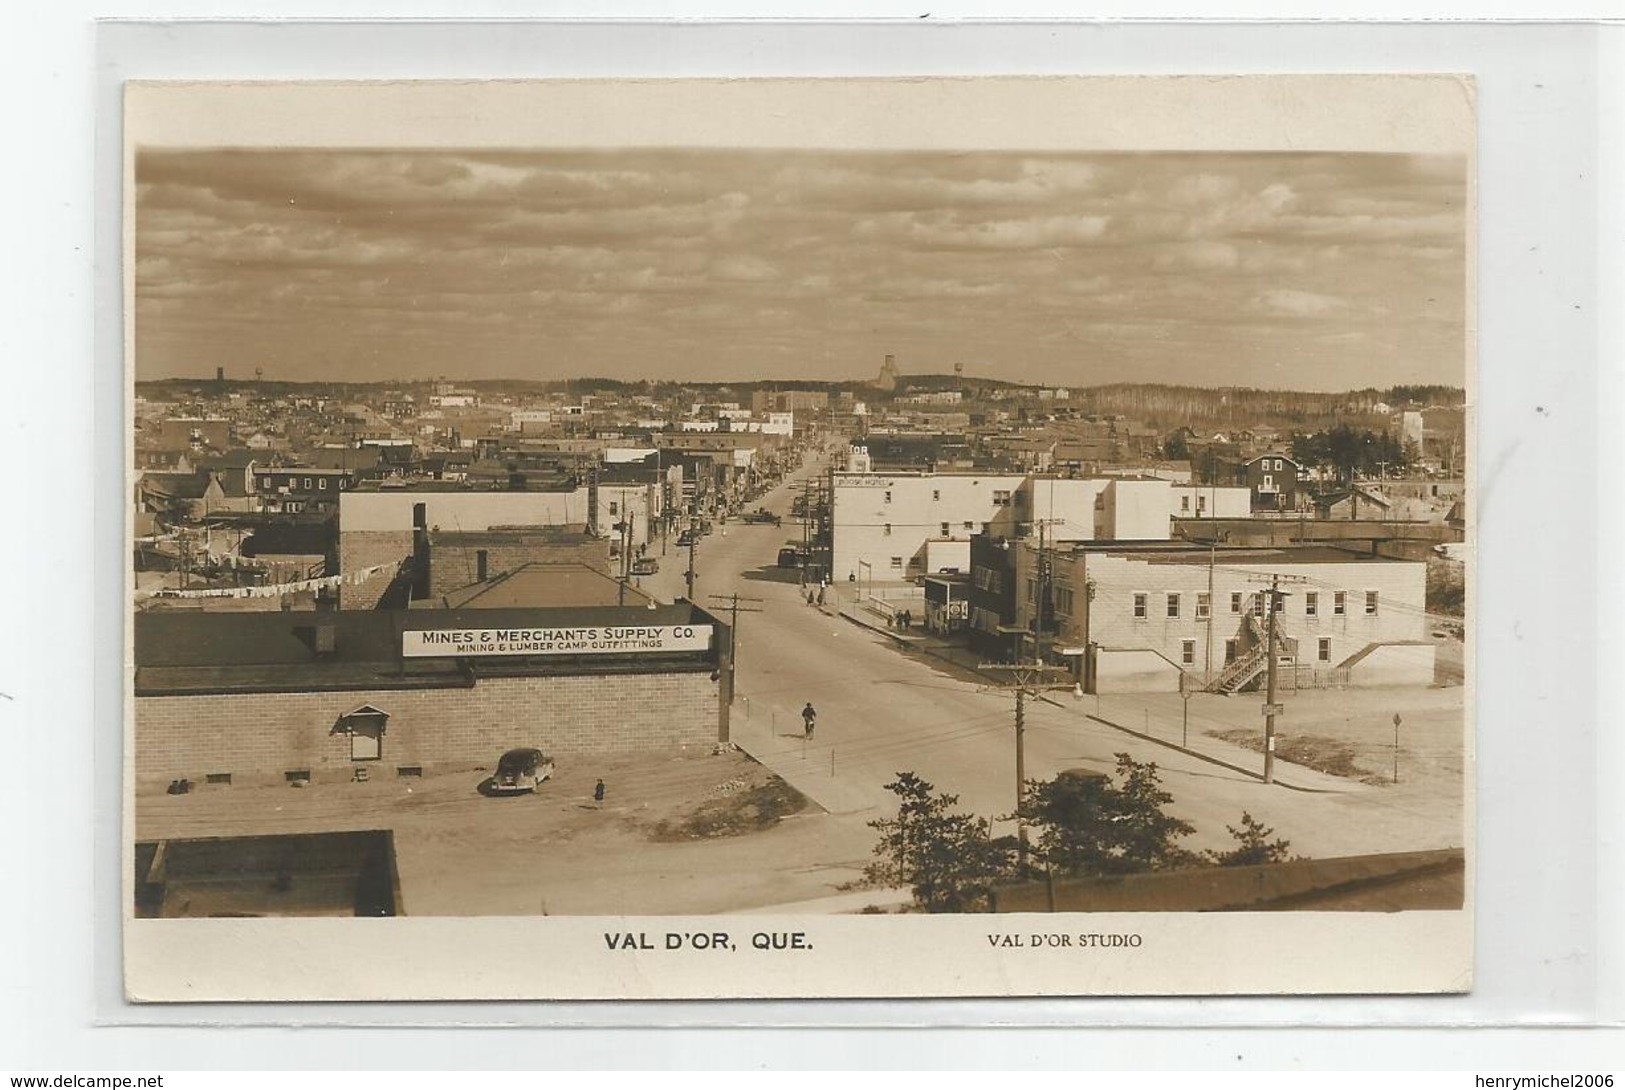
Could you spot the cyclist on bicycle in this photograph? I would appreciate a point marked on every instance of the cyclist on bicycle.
(809, 719)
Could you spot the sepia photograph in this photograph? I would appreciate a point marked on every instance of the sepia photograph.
(896, 544)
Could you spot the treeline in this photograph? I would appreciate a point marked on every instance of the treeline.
(1228, 408)
(1086, 827)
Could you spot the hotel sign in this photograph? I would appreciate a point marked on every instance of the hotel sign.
(600, 640)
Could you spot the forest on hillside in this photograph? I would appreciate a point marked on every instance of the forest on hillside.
(1218, 409)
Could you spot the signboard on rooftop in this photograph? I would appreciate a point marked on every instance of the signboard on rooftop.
(598, 640)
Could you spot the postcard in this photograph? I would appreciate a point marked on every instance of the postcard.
(665, 539)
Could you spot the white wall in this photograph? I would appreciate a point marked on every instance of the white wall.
(913, 507)
(1136, 511)
(459, 511)
(1212, 502)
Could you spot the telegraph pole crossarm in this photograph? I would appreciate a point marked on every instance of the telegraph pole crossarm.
(734, 610)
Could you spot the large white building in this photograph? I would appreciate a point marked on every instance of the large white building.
(899, 526)
(1152, 618)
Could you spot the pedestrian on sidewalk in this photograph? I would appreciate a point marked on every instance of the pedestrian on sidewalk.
(820, 594)
(598, 794)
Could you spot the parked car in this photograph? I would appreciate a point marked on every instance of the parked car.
(790, 557)
(687, 538)
(645, 565)
(521, 770)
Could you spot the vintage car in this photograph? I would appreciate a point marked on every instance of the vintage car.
(646, 565)
(519, 771)
(762, 516)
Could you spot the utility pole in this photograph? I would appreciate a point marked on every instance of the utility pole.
(1271, 708)
(1025, 676)
(624, 529)
(734, 610)
(693, 538)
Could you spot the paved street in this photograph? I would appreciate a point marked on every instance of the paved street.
(883, 710)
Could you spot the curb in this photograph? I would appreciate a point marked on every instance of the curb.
(1203, 756)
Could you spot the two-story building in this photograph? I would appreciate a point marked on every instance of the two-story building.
(1161, 617)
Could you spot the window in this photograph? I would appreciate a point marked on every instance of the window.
(1187, 652)
(1258, 605)
(1139, 607)
(307, 484)
(1231, 647)
(897, 563)
(1311, 603)
(970, 526)
(887, 529)
(1201, 504)
(987, 527)
(1173, 606)
(614, 508)
(1339, 603)
(1269, 480)
(1235, 601)
(936, 494)
(945, 532)
(1063, 601)
(321, 483)
(1204, 606)
(888, 495)
(218, 777)
(1001, 497)
(1325, 649)
(1185, 504)
(265, 484)
(1032, 591)
(1370, 603)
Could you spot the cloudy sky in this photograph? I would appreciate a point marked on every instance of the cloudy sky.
(1307, 271)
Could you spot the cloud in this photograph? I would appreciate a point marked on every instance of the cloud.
(1196, 257)
(703, 263)
(742, 268)
(1297, 303)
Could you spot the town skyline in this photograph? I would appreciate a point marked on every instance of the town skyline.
(1262, 270)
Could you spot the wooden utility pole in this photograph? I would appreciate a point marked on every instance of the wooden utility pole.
(1272, 635)
(693, 539)
(734, 610)
(1026, 677)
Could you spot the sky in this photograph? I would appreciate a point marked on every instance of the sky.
(1277, 270)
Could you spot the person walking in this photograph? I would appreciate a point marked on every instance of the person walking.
(809, 719)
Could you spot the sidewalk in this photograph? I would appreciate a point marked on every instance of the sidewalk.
(913, 639)
(810, 767)
(1137, 715)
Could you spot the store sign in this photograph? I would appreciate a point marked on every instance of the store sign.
(602, 640)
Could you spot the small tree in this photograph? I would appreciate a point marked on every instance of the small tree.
(1091, 826)
(949, 859)
(1253, 845)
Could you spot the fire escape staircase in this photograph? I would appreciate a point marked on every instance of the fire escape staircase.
(1248, 666)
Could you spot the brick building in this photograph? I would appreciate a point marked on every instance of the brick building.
(263, 697)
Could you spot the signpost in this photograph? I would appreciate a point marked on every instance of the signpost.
(1397, 722)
